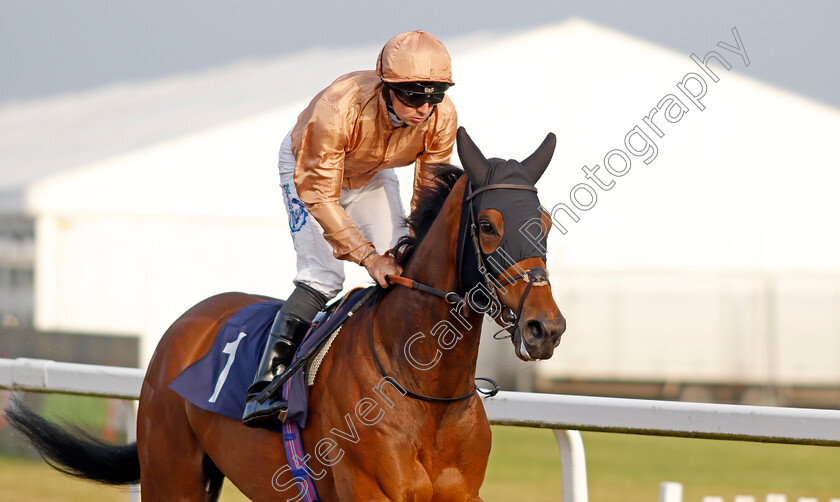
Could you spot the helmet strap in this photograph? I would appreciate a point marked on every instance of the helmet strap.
(389, 106)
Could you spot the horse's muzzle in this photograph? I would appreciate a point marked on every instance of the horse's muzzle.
(539, 338)
(546, 329)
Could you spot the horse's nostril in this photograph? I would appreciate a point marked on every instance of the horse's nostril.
(541, 329)
(536, 329)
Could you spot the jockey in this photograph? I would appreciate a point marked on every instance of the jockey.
(341, 194)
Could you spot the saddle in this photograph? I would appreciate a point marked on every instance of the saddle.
(218, 381)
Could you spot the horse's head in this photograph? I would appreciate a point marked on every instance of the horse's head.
(509, 230)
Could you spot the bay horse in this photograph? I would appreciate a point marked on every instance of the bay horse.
(393, 411)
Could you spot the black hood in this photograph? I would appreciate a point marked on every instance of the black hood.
(515, 198)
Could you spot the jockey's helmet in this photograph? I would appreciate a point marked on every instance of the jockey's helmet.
(415, 61)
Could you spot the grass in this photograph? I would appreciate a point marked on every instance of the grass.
(525, 466)
(33, 481)
(629, 468)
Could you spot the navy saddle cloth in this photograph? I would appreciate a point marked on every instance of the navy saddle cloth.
(218, 381)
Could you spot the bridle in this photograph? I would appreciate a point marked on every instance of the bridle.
(535, 277)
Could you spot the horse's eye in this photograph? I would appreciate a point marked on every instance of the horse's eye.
(486, 227)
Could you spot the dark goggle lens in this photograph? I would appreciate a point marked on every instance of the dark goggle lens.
(417, 99)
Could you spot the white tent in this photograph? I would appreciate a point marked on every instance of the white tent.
(150, 197)
(716, 260)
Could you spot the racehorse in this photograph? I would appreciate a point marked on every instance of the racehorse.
(393, 413)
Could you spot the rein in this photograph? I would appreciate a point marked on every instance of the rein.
(451, 297)
(414, 394)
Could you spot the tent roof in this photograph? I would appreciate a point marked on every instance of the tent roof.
(42, 137)
(50, 135)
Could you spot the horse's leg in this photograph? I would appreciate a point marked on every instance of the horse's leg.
(377, 462)
(253, 459)
(412, 453)
(463, 440)
(215, 480)
(172, 463)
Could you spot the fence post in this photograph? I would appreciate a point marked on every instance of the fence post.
(572, 465)
(670, 492)
(131, 436)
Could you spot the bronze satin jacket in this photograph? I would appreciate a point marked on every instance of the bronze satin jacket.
(344, 137)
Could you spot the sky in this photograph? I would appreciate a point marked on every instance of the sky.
(49, 48)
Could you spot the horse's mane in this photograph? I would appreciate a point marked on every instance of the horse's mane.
(429, 201)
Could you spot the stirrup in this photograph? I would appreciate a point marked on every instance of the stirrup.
(261, 415)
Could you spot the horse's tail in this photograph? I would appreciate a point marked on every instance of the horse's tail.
(76, 453)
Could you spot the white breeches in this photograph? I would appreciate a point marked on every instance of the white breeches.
(375, 208)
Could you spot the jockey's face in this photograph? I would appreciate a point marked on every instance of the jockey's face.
(409, 115)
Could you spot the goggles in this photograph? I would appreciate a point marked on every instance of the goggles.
(417, 98)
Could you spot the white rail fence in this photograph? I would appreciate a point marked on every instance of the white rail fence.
(565, 414)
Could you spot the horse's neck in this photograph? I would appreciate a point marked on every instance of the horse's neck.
(449, 333)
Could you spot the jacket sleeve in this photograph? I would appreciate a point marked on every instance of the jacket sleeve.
(439, 149)
(319, 171)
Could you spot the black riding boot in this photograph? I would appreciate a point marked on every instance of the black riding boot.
(289, 328)
(286, 334)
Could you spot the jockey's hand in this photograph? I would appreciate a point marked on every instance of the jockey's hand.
(379, 266)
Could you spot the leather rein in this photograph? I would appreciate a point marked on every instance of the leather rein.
(536, 276)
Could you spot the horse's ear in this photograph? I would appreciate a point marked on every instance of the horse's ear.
(471, 157)
(536, 163)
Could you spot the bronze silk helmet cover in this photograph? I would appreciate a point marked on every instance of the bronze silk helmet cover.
(414, 56)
